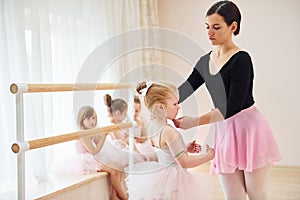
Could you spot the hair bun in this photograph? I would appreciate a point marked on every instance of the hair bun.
(107, 100)
(141, 86)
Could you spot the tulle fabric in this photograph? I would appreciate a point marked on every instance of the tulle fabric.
(77, 163)
(165, 180)
(117, 157)
(153, 181)
(83, 162)
(146, 150)
(244, 141)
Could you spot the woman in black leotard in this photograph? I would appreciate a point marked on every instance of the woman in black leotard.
(244, 144)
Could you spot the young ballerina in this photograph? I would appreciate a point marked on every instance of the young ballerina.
(117, 109)
(141, 141)
(136, 117)
(167, 178)
(89, 147)
(136, 114)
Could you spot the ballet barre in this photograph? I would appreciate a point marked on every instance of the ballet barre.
(43, 142)
(17, 88)
(19, 147)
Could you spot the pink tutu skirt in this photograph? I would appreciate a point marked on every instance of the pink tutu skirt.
(76, 164)
(245, 142)
(146, 150)
(154, 181)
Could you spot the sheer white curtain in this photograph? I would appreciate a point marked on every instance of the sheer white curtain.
(138, 64)
(42, 42)
(47, 42)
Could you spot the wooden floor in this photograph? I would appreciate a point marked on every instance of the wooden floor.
(284, 183)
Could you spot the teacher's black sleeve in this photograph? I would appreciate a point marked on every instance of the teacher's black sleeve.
(194, 81)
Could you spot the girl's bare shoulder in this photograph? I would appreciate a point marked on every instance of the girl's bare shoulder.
(169, 133)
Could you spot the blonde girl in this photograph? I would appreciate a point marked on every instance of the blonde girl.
(167, 178)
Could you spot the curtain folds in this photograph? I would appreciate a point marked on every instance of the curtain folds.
(149, 18)
(47, 42)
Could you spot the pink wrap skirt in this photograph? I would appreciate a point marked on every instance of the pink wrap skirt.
(245, 142)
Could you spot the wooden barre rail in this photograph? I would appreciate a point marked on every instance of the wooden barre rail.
(16, 88)
(42, 142)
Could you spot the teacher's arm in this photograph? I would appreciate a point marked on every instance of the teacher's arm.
(187, 122)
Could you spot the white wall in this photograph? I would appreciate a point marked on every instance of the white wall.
(270, 33)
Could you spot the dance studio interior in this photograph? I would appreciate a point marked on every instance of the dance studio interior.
(60, 55)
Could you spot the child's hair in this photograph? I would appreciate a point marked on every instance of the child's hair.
(85, 112)
(114, 105)
(156, 93)
(137, 100)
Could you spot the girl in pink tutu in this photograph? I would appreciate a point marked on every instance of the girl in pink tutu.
(89, 148)
(167, 178)
(244, 144)
(118, 109)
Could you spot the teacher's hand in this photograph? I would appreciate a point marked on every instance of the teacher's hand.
(186, 122)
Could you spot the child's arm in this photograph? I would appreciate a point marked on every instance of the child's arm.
(99, 140)
(120, 136)
(176, 145)
(90, 146)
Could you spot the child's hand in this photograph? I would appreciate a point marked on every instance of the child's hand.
(193, 147)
